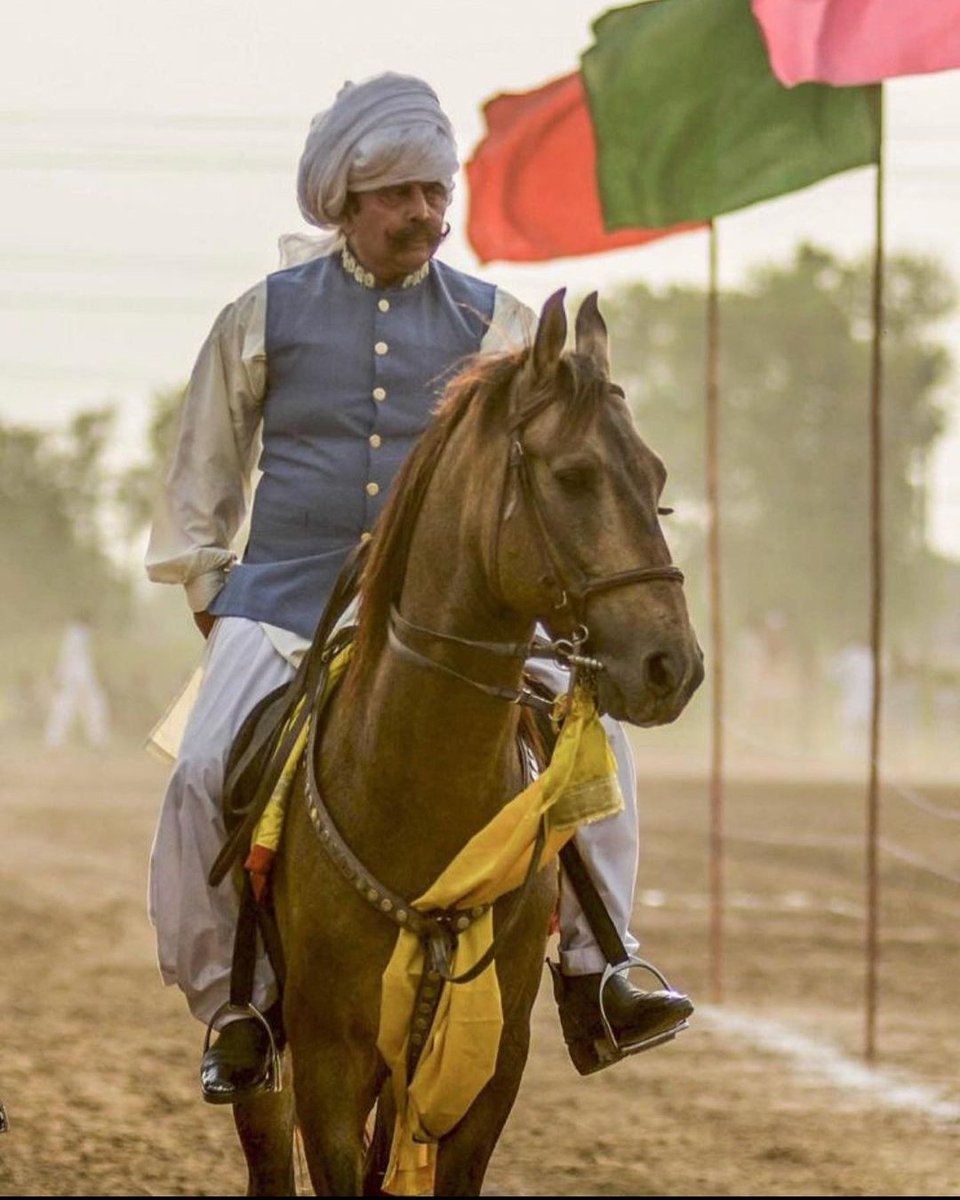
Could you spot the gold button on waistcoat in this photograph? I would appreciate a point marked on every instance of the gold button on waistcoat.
(381, 347)
(383, 305)
(375, 440)
(373, 489)
(379, 393)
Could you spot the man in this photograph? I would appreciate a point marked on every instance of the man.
(332, 366)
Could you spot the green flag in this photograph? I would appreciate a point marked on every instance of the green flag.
(691, 122)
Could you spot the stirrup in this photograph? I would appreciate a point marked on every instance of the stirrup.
(612, 1046)
(274, 1079)
(591, 1050)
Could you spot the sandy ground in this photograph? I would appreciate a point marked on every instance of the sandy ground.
(766, 1094)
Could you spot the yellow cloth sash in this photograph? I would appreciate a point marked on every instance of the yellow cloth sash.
(578, 787)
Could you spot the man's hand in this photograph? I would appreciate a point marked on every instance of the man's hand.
(204, 621)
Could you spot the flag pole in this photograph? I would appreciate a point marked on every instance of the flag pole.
(876, 605)
(716, 625)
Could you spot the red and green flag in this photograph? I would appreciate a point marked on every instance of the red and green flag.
(532, 180)
(847, 42)
(690, 121)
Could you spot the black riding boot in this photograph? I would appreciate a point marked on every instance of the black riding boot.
(240, 1064)
(639, 1020)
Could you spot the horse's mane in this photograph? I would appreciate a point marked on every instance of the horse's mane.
(483, 387)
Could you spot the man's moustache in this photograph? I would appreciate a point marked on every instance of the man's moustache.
(414, 234)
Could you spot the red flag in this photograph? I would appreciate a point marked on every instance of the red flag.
(533, 191)
(846, 42)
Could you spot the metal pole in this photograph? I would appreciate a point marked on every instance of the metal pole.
(876, 609)
(716, 629)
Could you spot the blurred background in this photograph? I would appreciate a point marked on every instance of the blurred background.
(148, 167)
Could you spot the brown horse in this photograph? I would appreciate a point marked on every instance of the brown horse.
(530, 499)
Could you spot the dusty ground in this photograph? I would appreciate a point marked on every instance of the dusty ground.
(764, 1095)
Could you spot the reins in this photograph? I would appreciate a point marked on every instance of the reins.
(563, 651)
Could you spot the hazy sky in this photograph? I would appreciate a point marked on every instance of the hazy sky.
(149, 157)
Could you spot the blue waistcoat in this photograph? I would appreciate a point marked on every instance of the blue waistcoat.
(353, 374)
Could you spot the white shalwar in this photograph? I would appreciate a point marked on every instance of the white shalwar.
(194, 532)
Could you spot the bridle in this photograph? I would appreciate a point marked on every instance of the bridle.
(573, 588)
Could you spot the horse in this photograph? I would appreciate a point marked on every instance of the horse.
(530, 500)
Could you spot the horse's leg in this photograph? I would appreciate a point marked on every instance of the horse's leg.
(465, 1152)
(265, 1129)
(378, 1151)
(335, 1086)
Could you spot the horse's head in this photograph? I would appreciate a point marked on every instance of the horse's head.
(532, 498)
(579, 541)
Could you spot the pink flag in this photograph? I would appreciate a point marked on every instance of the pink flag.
(846, 42)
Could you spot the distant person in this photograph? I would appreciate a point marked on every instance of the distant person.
(852, 672)
(78, 697)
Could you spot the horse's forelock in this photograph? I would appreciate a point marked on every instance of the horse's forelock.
(578, 389)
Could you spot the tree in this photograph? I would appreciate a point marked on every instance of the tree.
(137, 487)
(54, 564)
(52, 494)
(793, 458)
(794, 373)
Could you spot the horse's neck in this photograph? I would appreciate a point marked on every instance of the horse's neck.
(425, 760)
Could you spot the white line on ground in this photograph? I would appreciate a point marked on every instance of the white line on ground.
(786, 902)
(889, 1088)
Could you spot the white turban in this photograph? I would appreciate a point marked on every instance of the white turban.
(384, 131)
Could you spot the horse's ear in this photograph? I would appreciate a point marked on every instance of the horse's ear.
(551, 334)
(592, 334)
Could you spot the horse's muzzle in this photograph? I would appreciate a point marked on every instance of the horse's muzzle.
(656, 691)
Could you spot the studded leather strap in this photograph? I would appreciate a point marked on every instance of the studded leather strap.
(377, 894)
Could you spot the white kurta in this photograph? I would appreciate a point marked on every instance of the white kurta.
(197, 525)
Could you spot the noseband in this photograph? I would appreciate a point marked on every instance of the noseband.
(572, 586)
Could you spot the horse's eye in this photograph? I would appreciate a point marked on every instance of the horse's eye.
(664, 512)
(576, 479)
(577, 471)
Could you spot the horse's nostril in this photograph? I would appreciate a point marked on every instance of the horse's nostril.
(659, 672)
